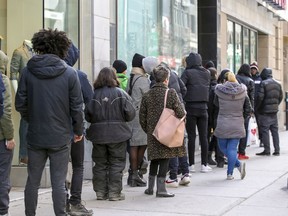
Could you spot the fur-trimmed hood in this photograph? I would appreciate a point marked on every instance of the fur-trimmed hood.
(229, 89)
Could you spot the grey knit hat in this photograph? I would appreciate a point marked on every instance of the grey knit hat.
(149, 63)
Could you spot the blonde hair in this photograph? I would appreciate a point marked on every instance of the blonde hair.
(230, 77)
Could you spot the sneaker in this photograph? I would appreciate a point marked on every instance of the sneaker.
(230, 177)
(185, 180)
(120, 197)
(242, 157)
(192, 168)
(79, 210)
(263, 153)
(205, 169)
(173, 183)
(242, 170)
(220, 164)
(276, 154)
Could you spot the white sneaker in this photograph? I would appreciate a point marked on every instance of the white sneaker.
(205, 169)
(230, 177)
(242, 169)
(173, 183)
(192, 168)
(185, 180)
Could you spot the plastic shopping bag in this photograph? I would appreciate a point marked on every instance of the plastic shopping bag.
(252, 132)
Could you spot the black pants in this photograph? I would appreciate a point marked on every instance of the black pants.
(110, 161)
(163, 165)
(243, 141)
(269, 123)
(199, 118)
(77, 158)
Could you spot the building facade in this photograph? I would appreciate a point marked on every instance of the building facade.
(228, 32)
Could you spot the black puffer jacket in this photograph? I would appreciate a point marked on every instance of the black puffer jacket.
(270, 93)
(108, 112)
(197, 80)
(257, 81)
(48, 96)
(244, 76)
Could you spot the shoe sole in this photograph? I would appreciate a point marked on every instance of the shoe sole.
(243, 171)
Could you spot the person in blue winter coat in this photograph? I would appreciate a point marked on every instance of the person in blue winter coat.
(74, 204)
(49, 98)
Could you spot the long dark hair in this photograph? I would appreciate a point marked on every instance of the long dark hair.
(107, 77)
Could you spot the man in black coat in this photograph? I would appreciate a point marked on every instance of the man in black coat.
(49, 98)
(269, 97)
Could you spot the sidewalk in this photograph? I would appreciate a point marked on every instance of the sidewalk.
(262, 193)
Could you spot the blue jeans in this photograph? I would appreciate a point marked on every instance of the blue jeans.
(5, 167)
(229, 148)
(59, 158)
(176, 163)
(23, 140)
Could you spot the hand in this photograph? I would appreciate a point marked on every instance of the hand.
(77, 138)
(10, 144)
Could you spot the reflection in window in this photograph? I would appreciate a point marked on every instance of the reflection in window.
(246, 50)
(253, 46)
(230, 45)
(164, 29)
(238, 47)
(63, 15)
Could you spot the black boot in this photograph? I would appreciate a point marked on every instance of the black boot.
(129, 177)
(143, 167)
(210, 159)
(137, 181)
(151, 183)
(161, 188)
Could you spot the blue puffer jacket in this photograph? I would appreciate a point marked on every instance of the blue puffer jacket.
(48, 97)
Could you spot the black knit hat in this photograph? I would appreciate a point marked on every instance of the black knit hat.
(137, 60)
(120, 66)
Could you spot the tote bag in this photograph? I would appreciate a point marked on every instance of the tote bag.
(169, 130)
(252, 132)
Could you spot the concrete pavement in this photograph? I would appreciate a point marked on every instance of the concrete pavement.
(263, 192)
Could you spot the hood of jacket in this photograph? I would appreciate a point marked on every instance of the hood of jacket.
(193, 60)
(266, 73)
(3, 62)
(230, 88)
(72, 55)
(46, 66)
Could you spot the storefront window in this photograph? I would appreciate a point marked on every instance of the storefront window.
(230, 45)
(246, 48)
(238, 47)
(63, 15)
(253, 45)
(164, 29)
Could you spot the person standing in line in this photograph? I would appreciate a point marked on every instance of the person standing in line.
(197, 81)
(232, 100)
(138, 84)
(121, 69)
(74, 205)
(7, 143)
(257, 81)
(150, 111)
(269, 97)
(49, 98)
(108, 112)
(244, 76)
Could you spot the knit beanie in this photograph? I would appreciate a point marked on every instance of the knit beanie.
(120, 66)
(137, 60)
(254, 65)
(149, 63)
(209, 64)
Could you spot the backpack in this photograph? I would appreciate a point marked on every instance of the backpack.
(131, 83)
(2, 90)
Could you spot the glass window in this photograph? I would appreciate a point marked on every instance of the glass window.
(253, 45)
(63, 15)
(156, 28)
(246, 47)
(238, 47)
(230, 45)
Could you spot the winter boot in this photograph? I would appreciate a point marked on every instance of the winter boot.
(137, 181)
(210, 159)
(151, 183)
(161, 188)
(129, 177)
(143, 167)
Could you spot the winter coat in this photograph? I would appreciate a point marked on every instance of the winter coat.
(86, 88)
(151, 108)
(212, 109)
(108, 112)
(270, 93)
(123, 79)
(141, 85)
(48, 97)
(249, 83)
(257, 81)
(197, 80)
(232, 100)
